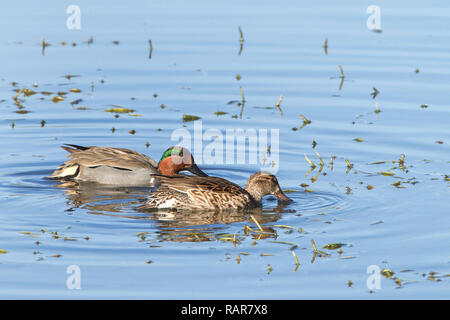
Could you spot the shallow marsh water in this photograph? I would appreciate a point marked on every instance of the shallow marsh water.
(397, 222)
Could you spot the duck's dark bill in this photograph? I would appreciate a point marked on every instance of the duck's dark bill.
(196, 170)
(280, 195)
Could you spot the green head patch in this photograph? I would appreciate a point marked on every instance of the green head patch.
(173, 151)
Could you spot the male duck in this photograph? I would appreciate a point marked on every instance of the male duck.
(118, 166)
(212, 193)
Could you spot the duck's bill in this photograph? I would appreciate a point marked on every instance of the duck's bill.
(196, 170)
(280, 195)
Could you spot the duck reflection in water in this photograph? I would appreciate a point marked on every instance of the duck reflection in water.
(180, 226)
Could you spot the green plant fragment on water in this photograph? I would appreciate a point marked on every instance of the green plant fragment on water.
(333, 246)
(57, 99)
(119, 110)
(27, 233)
(187, 118)
(220, 113)
(388, 273)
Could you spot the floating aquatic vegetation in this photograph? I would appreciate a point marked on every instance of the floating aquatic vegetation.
(44, 45)
(22, 111)
(188, 118)
(28, 92)
(358, 140)
(325, 46)
(305, 121)
(118, 109)
(349, 166)
(309, 161)
(401, 162)
(220, 113)
(70, 76)
(341, 70)
(333, 246)
(388, 273)
(398, 185)
(3, 251)
(331, 161)
(18, 94)
(369, 187)
(319, 252)
(342, 77)
(377, 162)
(57, 99)
(77, 101)
(28, 233)
(278, 105)
(296, 259)
(374, 93)
(241, 40)
(75, 90)
(242, 103)
(150, 49)
(292, 245)
(257, 223)
(320, 159)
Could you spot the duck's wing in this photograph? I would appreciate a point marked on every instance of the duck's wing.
(207, 192)
(185, 184)
(91, 157)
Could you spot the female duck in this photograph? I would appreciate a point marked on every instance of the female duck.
(118, 166)
(212, 193)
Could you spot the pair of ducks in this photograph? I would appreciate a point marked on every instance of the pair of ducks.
(124, 167)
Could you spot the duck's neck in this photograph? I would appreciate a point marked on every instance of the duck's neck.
(255, 193)
(167, 167)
